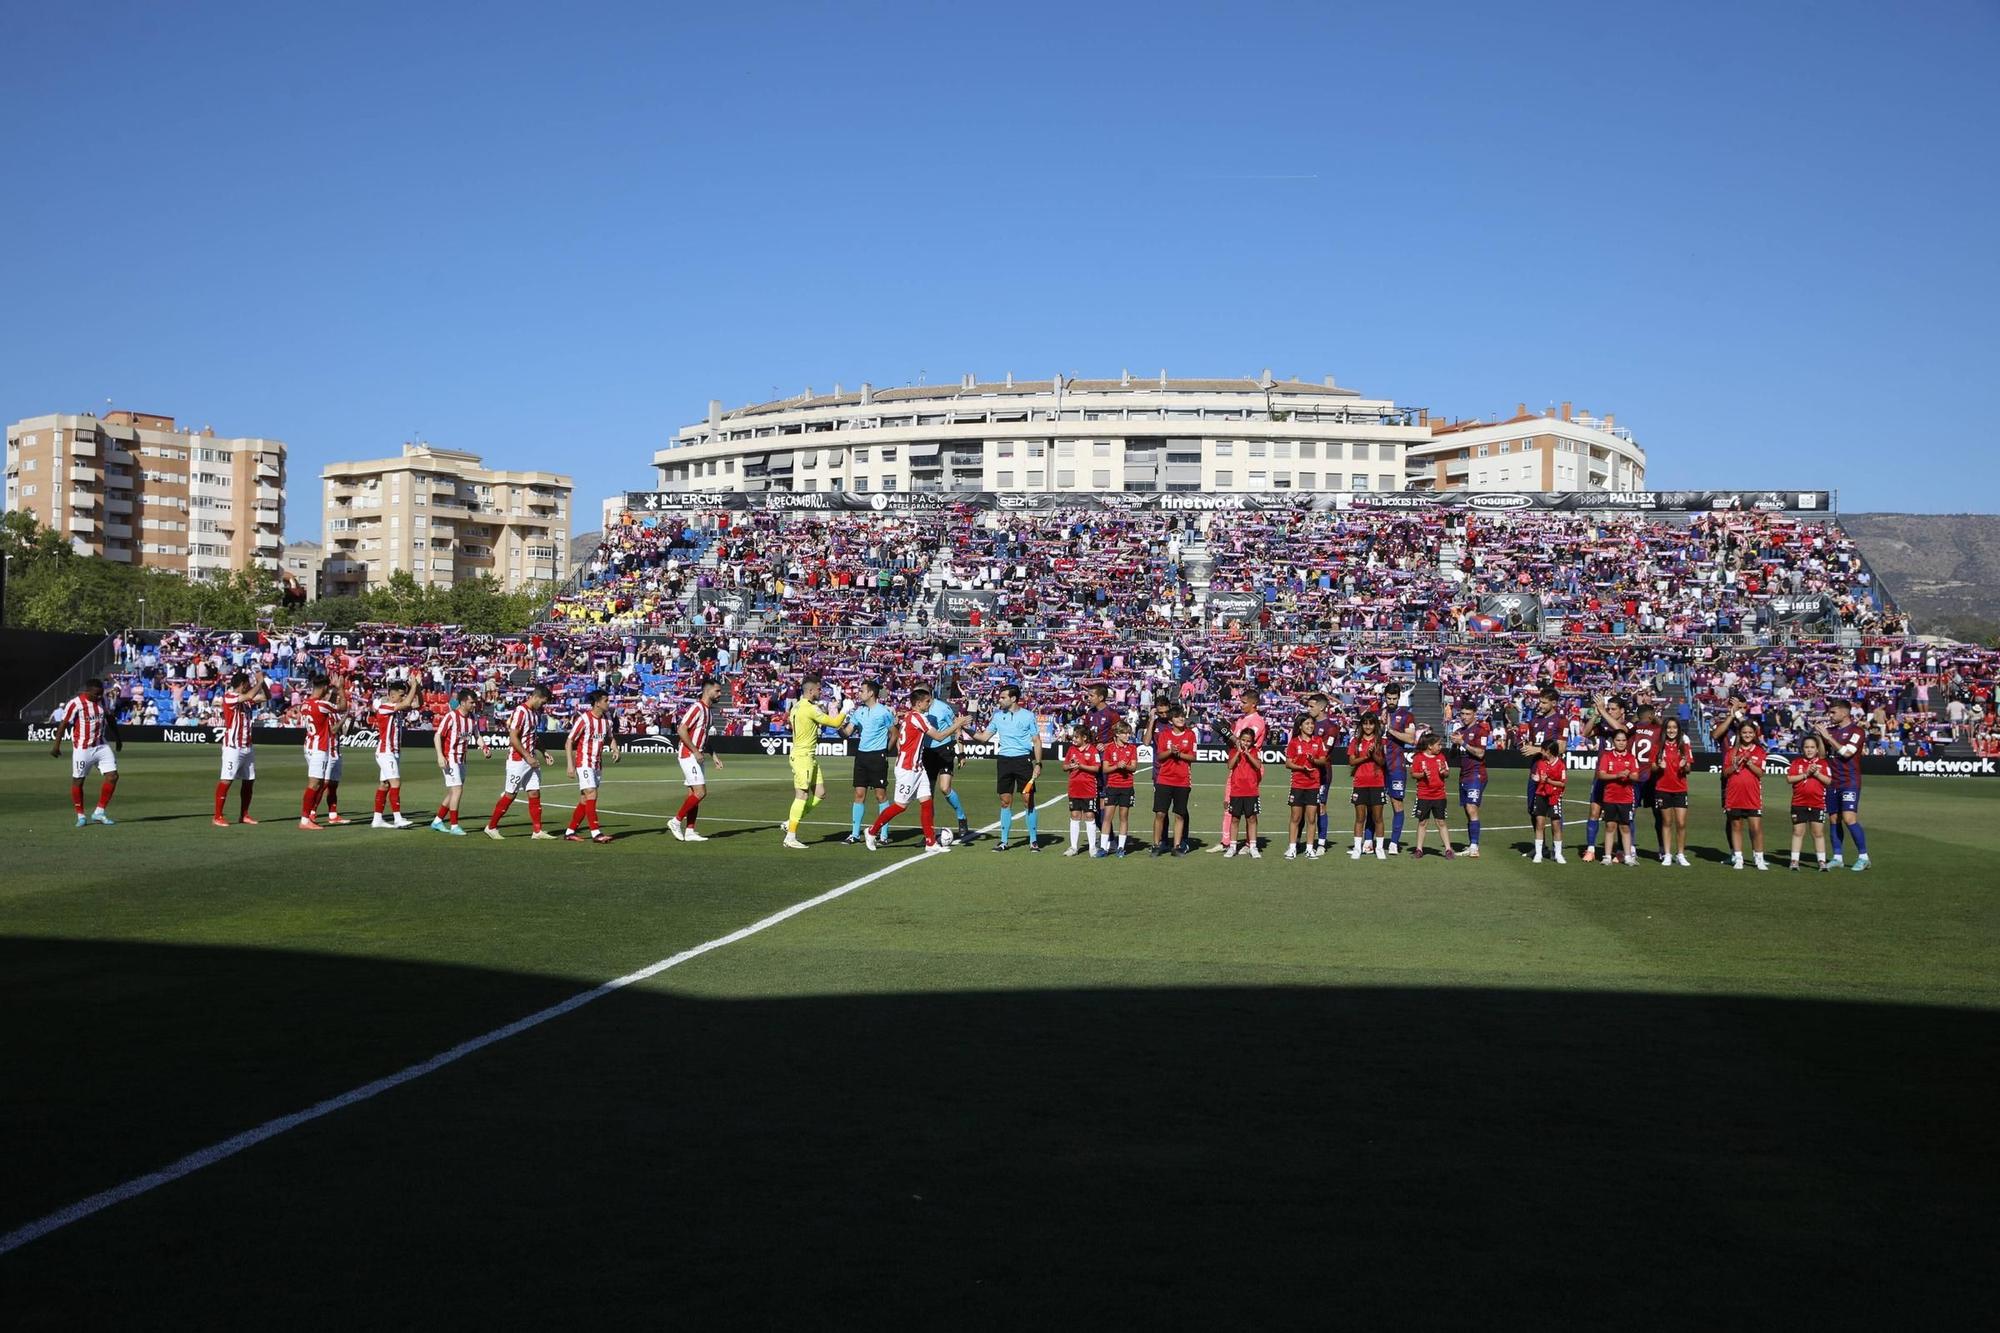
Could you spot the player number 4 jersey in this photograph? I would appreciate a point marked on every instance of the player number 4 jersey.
(694, 721)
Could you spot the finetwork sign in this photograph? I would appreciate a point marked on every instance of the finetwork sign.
(1939, 768)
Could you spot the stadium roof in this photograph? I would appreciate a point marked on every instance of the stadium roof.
(1012, 387)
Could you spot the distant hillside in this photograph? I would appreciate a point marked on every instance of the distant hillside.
(1943, 569)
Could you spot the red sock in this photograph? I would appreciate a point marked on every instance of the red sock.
(104, 794)
(576, 813)
(308, 803)
(535, 810)
(592, 805)
(689, 804)
(499, 810)
(442, 811)
(395, 800)
(221, 795)
(381, 799)
(76, 796)
(333, 798)
(924, 816)
(243, 798)
(887, 813)
(454, 818)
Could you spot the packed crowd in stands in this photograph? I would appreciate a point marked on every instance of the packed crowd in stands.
(1192, 607)
(1299, 572)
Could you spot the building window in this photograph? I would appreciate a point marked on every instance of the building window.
(1004, 480)
(1066, 449)
(888, 455)
(1480, 452)
(1259, 480)
(1225, 477)
(1257, 448)
(1006, 449)
(1101, 478)
(1308, 449)
(1360, 482)
(1035, 482)
(888, 483)
(1065, 479)
(1308, 481)
(1282, 449)
(1332, 450)
(1101, 449)
(1282, 481)
(1225, 448)
(860, 455)
(1385, 483)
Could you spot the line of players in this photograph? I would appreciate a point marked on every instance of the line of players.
(1643, 763)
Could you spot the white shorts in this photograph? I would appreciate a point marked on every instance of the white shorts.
(390, 766)
(100, 756)
(522, 776)
(323, 765)
(239, 761)
(913, 786)
(587, 779)
(691, 771)
(454, 775)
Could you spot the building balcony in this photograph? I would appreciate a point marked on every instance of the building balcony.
(269, 494)
(269, 541)
(122, 554)
(82, 446)
(82, 500)
(116, 505)
(83, 472)
(118, 531)
(268, 470)
(80, 523)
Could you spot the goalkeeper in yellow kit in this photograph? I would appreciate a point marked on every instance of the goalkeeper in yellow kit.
(808, 783)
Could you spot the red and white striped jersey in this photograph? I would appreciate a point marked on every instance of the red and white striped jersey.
(694, 721)
(590, 732)
(236, 721)
(454, 731)
(388, 728)
(319, 725)
(83, 723)
(524, 720)
(910, 742)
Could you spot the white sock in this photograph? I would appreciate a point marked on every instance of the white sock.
(1121, 841)
(1074, 831)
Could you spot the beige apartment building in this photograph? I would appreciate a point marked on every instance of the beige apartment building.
(137, 488)
(440, 515)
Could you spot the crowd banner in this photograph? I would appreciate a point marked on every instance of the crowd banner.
(418, 741)
(1169, 502)
(1511, 611)
(1235, 605)
(1785, 609)
(958, 604)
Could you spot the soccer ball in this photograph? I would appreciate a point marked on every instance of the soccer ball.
(944, 837)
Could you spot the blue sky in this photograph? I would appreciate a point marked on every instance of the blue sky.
(1763, 235)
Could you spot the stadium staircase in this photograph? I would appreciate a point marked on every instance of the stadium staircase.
(1427, 707)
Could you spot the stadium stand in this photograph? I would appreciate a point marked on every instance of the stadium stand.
(1192, 607)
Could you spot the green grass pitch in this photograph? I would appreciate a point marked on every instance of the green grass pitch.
(981, 1089)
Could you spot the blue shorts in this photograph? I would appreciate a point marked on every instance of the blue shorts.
(1470, 793)
(1843, 800)
(1398, 784)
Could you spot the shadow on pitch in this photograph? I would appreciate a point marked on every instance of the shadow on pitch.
(1239, 1155)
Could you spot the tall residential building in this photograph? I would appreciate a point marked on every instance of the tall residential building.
(134, 487)
(442, 517)
(1566, 451)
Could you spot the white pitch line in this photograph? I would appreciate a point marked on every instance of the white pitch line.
(270, 1129)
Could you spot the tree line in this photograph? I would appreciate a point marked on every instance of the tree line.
(52, 587)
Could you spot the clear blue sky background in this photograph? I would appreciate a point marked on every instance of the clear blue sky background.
(1763, 235)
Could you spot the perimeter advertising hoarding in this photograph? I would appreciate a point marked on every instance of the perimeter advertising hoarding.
(1170, 502)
